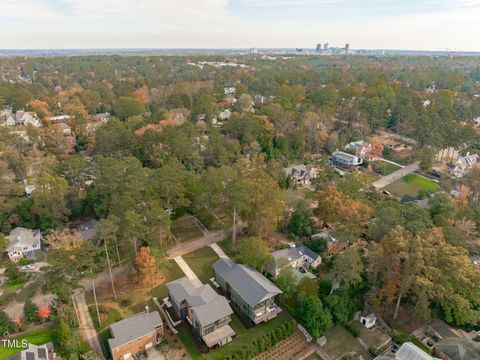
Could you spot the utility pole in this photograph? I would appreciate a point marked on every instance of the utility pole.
(110, 269)
(234, 229)
(95, 297)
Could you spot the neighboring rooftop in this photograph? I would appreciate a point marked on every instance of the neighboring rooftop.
(409, 351)
(252, 286)
(207, 305)
(133, 328)
(294, 253)
(22, 236)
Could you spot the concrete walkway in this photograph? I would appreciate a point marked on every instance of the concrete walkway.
(218, 250)
(187, 271)
(387, 180)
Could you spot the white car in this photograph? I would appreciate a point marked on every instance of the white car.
(28, 267)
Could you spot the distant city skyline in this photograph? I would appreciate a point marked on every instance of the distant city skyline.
(364, 24)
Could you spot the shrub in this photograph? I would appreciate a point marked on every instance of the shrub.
(352, 329)
(373, 351)
(399, 337)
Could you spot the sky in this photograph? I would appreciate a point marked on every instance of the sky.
(364, 24)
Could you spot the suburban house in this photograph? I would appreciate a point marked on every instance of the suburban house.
(67, 130)
(21, 117)
(449, 343)
(206, 311)
(89, 229)
(251, 293)
(303, 175)
(23, 243)
(36, 352)
(135, 335)
(423, 203)
(102, 117)
(333, 245)
(359, 148)
(463, 165)
(345, 161)
(229, 90)
(410, 351)
(59, 118)
(299, 257)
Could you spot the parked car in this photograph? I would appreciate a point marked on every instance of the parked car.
(28, 267)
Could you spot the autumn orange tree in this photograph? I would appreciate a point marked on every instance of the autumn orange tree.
(44, 312)
(146, 266)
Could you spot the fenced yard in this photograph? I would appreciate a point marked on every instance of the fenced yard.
(340, 341)
(186, 228)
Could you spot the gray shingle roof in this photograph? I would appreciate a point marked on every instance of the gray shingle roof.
(133, 328)
(248, 283)
(293, 254)
(21, 236)
(207, 305)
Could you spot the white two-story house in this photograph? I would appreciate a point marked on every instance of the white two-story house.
(23, 243)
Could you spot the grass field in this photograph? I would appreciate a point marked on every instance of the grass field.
(293, 196)
(384, 168)
(411, 185)
(340, 341)
(36, 337)
(201, 262)
(172, 272)
(372, 337)
(107, 319)
(185, 228)
(244, 337)
(421, 182)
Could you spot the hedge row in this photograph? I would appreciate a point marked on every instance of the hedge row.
(264, 342)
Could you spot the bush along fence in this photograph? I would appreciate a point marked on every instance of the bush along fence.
(264, 342)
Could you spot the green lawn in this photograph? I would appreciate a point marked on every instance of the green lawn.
(340, 341)
(411, 185)
(201, 262)
(372, 337)
(9, 292)
(172, 272)
(244, 337)
(185, 228)
(384, 168)
(421, 182)
(293, 196)
(112, 316)
(36, 337)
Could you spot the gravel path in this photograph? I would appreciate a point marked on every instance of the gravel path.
(87, 328)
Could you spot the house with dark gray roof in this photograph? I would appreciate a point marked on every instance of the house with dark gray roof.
(251, 293)
(135, 335)
(36, 352)
(299, 257)
(206, 311)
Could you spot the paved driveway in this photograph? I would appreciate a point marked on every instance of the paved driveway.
(387, 180)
